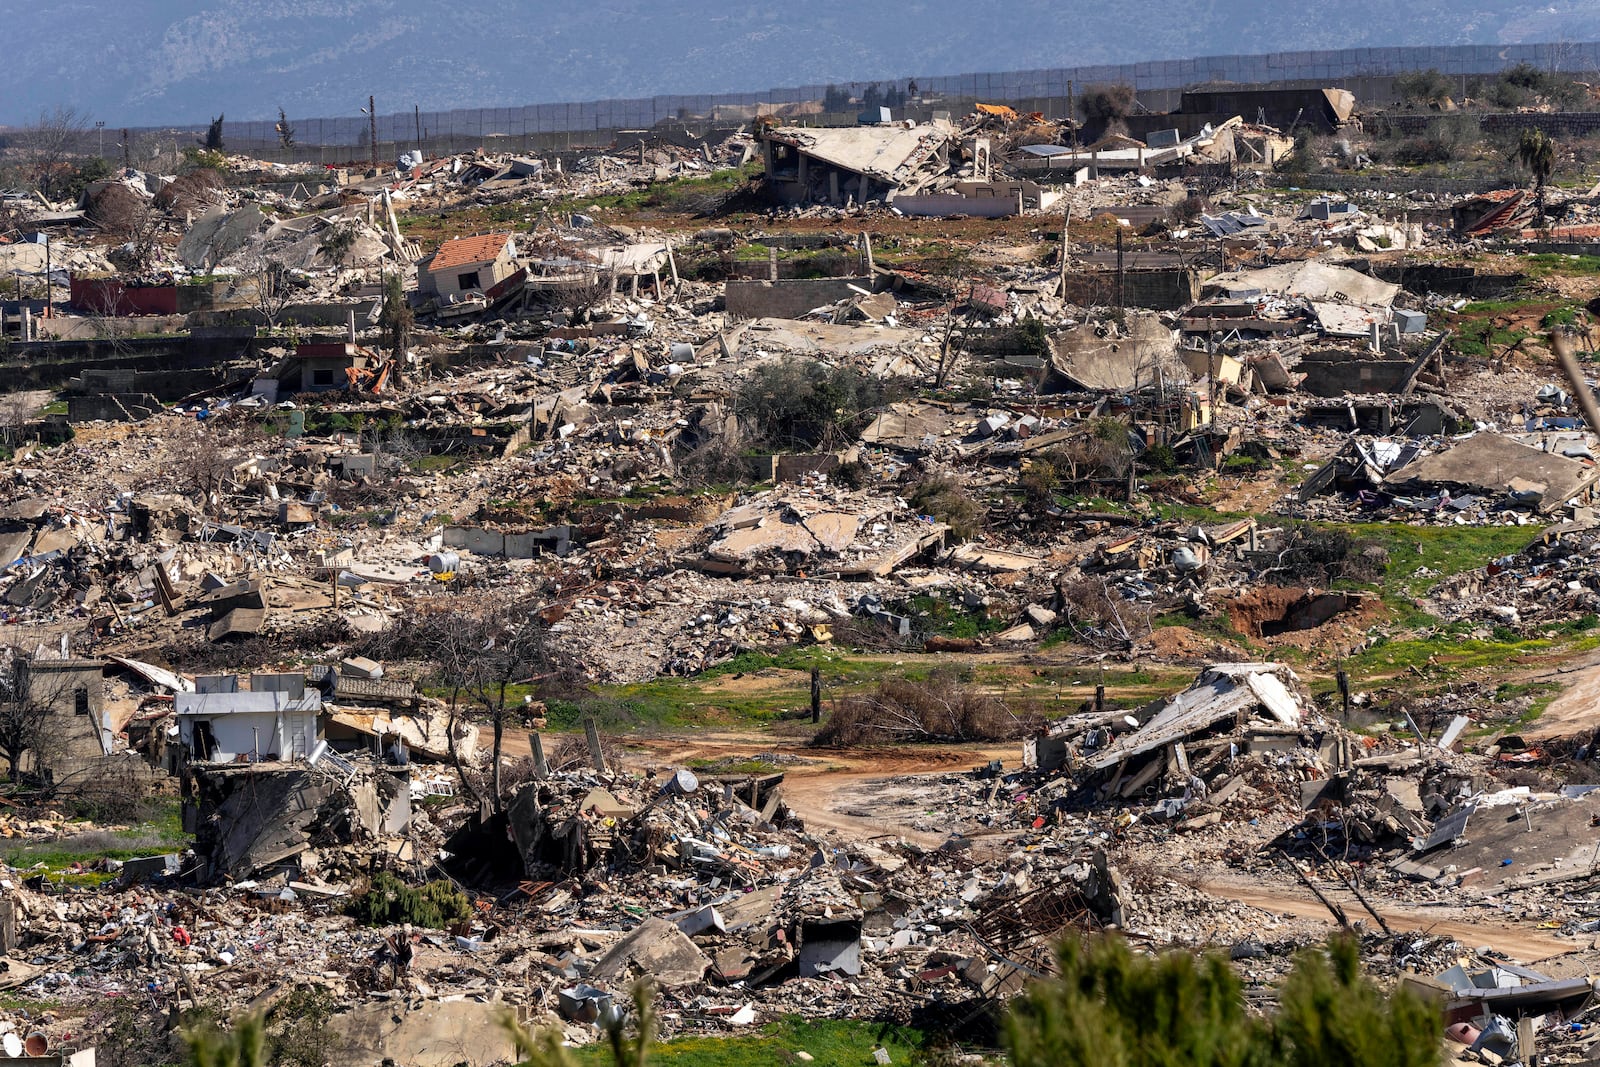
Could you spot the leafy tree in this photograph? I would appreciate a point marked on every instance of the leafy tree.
(213, 139)
(197, 158)
(1525, 84)
(872, 97)
(1330, 1014)
(1111, 1008)
(94, 169)
(835, 99)
(285, 131)
(798, 402)
(945, 497)
(1422, 87)
(389, 901)
(338, 240)
(1537, 152)
(396, 320)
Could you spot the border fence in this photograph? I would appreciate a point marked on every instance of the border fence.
(597, 123)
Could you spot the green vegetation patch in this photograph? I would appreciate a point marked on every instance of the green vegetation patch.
(162, 834)
(829, 1042)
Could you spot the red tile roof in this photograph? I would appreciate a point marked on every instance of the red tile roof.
(465, 250)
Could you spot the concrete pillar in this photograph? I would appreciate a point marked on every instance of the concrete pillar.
(591, 732)
(541, 768)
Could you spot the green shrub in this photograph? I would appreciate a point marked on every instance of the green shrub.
(389, 901)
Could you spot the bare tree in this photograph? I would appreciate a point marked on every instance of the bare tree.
(44, 150)
(1100, 617)
(950, 344)
(16, 410)
(275, 289)
(26, 705)
(203, 460)
(579, 301)
(128, 217)
(491, 662)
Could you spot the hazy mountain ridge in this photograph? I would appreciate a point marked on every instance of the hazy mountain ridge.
(182, 60)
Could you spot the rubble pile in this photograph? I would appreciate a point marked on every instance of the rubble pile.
(986, 399)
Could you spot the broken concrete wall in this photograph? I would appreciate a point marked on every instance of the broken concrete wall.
(1159, 290)
(525, 544)
(1335, 372)
(788, 299)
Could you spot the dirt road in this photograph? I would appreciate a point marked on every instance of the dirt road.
(1577, 709)
(826, 790)
(1519, 942)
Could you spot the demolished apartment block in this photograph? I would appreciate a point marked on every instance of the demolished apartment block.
(861, 164)
(262, 787)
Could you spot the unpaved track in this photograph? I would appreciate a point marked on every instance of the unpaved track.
(1576, 710)
(813, 789)
(1519, 942)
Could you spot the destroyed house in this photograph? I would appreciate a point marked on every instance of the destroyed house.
(320, 366)
(277, 718)
(860, 163)
(1322, 109)
(467, 265)
(71, 694)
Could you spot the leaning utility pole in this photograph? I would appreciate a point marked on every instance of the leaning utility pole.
(372, 130)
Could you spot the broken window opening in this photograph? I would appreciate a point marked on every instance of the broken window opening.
(468, 280)
(80, 701)
(205, 745)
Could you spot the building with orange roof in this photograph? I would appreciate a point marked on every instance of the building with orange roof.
(467, 265)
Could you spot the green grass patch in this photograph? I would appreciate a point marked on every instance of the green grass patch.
(936, 615)
(680, 196)
(1436, 551)
(1510, 691)
(1447, 651)
(1546, 264)
(161, 834)
(726, 766)
(830, 1043)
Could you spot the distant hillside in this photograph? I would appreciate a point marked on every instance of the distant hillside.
(156, 61)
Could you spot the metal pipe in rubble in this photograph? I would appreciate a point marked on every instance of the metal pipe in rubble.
(1561, 345)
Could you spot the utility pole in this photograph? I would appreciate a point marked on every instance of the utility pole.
(1072, 115)
(100, 131)
(1120, 297)
(49, 293)
(127, 151)
(416, 110)
(372, 130)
